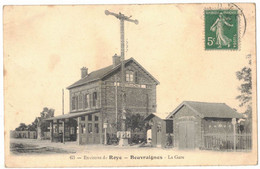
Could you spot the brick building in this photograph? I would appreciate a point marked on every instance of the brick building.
(96, 99)
(200, 125)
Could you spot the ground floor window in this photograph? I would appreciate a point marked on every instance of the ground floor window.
(83, 128)
(96, 128)
(89, 127)
(72, 130)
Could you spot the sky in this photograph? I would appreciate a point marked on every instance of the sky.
(45, 47)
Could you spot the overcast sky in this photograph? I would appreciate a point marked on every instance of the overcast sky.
(45, 47)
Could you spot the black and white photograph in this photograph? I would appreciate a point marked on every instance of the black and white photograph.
(130, 85)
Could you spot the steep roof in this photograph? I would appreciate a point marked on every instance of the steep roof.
(210, 110)
(101, 73)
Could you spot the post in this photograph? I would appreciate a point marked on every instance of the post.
(63, 129)
(63, 101)
(234, 132)
(123, 140)
(58, 126)
(51, 131)
(105, 137)
(116, 103)
(78, 131)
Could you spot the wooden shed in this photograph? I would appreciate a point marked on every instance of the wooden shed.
(201, 125)
(162, 131)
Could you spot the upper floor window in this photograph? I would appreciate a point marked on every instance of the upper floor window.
(89, 117)
(129, 76)
(94, 99)
(80, 102)
(74, 102)
(87, 101)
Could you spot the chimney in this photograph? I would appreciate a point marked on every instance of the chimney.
(116, 60)
(84, 72)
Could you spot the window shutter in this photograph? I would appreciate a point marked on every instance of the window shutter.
(136, 77)
(90, 100)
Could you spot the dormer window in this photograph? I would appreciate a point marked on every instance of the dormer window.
(129, 76)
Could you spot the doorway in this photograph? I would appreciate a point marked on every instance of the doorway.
(186, 135)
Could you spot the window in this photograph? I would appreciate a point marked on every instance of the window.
(80, 102)
(159, 128)
(96, 128)
(74, 103)
(72, 130)
(83, 128)
(116, 84)
(95, 99)
(89, 127)
(129, 76)
(86, 100)
(96, 118)
(136, 78)
(89, 117)
(55, 129)
(143, 86)
(83, 118)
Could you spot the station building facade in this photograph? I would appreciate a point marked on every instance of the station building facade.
(96, 99)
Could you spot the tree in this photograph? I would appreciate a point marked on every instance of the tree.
(33, 125)
(47, 113)
(135, 122)
(41, 123)
(245, 97)
(22, 127)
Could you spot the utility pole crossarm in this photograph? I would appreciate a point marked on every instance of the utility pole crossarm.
(121, 17)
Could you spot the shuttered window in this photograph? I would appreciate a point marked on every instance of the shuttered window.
(95, 99)
(136, 78)
(86, 101)
(80, 101)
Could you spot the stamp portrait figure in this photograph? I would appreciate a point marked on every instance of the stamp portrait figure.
(222, 40)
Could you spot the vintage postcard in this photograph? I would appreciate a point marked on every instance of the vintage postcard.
(130, 85)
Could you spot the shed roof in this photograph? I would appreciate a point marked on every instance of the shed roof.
(159, 115)
(210, 110)
(101, 73)
(72, 115)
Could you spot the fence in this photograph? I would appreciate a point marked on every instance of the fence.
(226, 142)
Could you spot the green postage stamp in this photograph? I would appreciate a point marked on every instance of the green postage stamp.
(221, 29)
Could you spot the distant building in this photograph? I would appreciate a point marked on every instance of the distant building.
(23, 134)
(96, 99)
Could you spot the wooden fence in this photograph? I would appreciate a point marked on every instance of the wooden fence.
(226, 142)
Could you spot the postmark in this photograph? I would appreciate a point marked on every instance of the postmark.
(221, 29)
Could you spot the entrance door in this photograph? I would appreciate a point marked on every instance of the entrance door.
(93, 135)
(90, 139)
(186, 135)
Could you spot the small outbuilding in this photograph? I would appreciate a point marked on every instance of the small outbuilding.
(201, 125)
(161, 129)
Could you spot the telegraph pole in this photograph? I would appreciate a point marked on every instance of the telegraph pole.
(62, 101)
(123, 138)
